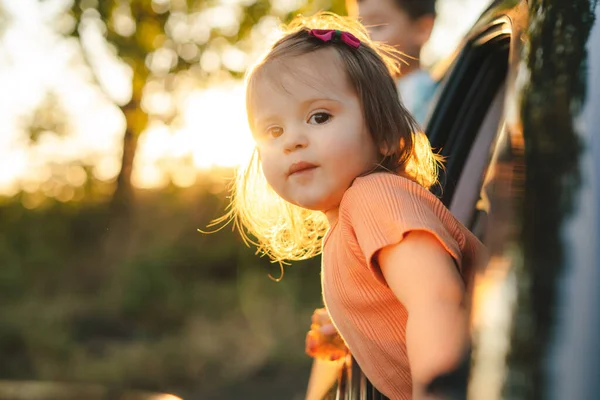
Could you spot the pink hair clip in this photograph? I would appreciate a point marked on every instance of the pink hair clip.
(328, 35)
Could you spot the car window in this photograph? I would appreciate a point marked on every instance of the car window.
(467, 93)
(470, 182)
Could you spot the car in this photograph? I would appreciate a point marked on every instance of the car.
(517, 116)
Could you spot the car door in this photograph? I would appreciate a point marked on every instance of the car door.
(536, 321)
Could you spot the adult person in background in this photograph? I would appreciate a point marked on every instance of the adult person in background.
(406, 25)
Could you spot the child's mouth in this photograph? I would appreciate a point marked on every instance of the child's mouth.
(301, 168)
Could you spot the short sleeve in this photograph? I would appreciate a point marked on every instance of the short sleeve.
(383, 208)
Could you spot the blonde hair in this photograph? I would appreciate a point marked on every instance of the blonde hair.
(286, 232)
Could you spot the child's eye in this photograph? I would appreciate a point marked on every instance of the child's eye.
(319, 118)
(274, 131)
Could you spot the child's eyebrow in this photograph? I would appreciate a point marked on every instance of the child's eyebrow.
(310, 101)
(262, 121)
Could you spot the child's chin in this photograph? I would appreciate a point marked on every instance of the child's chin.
(309, 206)
(313, 203)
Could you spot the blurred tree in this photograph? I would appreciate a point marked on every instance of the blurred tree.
(48, 117)
(163, 40)
(5, 20)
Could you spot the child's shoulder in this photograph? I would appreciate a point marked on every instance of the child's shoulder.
(380, 208)
(384, 192)
(384, 185)
(381, 176)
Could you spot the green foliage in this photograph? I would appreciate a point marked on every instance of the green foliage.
(173, 310)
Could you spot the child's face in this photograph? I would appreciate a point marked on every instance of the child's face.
(310, 131)
(388, 23)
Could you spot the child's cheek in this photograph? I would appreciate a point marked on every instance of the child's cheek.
(272, 171)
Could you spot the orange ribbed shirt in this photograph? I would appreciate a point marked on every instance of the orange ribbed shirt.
(378, 210)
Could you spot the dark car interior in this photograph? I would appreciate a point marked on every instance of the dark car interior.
(468, 114)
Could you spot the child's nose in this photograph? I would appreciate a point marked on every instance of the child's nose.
(294, 139)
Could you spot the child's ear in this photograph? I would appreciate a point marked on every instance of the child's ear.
(385, 149)
(422, 29)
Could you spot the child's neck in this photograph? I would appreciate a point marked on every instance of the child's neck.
(332, 215)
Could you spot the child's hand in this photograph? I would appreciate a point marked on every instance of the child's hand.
(323, 341)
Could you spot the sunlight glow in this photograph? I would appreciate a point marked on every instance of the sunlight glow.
(214, 132)
(113, 74)
(225, 18)
(219, 131)
(107, 168)
(94, 126)
(454, 18)
(164, 397)
(494, 298)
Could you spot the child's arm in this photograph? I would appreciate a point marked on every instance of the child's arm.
(426, 280)
(322, 378)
